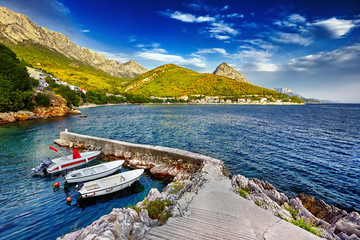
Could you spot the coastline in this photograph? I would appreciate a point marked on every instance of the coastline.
(333, 223)
(21, 116)
(44, 113)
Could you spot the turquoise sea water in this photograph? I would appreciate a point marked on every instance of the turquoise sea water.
(313, 149)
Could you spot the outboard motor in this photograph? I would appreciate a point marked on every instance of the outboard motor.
(42, 167)
(79, 186)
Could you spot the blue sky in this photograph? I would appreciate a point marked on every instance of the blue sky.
(311, 47)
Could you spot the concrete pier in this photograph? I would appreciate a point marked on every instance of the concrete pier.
(213, 211)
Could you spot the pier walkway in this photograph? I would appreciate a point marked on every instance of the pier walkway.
(219, 213)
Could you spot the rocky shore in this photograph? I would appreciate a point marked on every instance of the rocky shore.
(190, 172)
(334, 223)
(58, 108)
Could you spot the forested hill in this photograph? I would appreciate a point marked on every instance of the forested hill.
(15, 83)
(67, 69)
(175, 81)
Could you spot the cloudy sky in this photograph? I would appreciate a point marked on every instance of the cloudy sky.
(311, 47)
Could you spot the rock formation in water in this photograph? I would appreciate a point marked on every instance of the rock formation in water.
(227, 71)
(17, 28)
(58, 108)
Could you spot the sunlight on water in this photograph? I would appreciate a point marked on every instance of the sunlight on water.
(312, 149)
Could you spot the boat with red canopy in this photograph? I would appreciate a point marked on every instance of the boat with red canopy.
(57, 165)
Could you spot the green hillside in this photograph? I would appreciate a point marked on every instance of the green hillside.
(174, 81)
(67, 69)
(15, 83)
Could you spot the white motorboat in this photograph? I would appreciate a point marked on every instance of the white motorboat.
(94, 172)
(57, 165)
(109, 184)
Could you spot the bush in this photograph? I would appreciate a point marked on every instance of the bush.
(177, 186)
(42, 100)
(69, 95)
(294, 212)
(307, 225)
(97, 98)
(242, 193)
(156, 209)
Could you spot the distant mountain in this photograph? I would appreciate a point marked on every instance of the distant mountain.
(172, 80)
(227, 71)
(286, 91)
(289, 92)
(17, 28)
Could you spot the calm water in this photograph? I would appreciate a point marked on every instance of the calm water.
(313, 149)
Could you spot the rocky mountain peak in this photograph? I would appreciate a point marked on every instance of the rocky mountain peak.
(17, 28)
(226, 70)
(283, 90)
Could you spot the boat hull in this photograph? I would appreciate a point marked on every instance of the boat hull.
(100, 190)
(70, 179)
(60, 164)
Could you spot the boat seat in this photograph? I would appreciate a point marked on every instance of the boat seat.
(92, 187)
(89, 171)
(100, 169)
(76, 175)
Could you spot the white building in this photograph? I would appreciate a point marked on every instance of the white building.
(262, 100)
(35, 73)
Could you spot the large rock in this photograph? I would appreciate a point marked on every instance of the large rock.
(227, 71)
(320, 209)
(19, 28)
(11, 117)
(305, 214)
(350, 224)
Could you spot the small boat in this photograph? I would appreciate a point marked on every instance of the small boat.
(57, 165)
(109, 184)
(94, 172)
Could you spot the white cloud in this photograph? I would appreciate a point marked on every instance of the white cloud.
(194, 6)
(223, 28)
(333, 27)
(296, 18)
(160, 55)
(225, 8)
(120, 57)
(213, 50)
(222, 37)
(85, 30)
(205, 19)
(253, 59)
(261, 44)
(291, 38)
(266, 67)
(342, 58)
(216, 28)
(235, 15)
(60, 7)
(197, 62)
(190, 18)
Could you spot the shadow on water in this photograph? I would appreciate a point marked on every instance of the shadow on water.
(83, 203)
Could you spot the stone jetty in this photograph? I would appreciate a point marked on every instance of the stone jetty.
(202, 202)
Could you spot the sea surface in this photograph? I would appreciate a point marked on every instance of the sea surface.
(307, 148)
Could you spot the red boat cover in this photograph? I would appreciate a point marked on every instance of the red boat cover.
(76, 154)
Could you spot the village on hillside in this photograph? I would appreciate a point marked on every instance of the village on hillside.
(195, 99)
